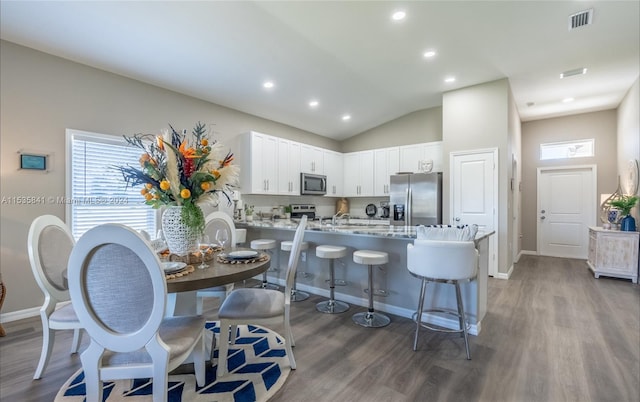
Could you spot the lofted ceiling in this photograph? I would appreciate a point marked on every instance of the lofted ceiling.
(349, 56)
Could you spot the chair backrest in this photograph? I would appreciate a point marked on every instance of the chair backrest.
(220, 220)
(443, 259)
(117, 287)
(49, 245)
(293, 258)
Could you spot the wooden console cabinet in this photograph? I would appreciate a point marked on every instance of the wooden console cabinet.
(613, 253)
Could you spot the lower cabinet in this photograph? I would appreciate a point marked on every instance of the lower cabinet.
(613, 253)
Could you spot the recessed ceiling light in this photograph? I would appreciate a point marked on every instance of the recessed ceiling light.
(268, 84)
(577, 71)
(346, 117)
(450, 80)
(429, 53)
(567, 100)
(398, 15)
(313, 103)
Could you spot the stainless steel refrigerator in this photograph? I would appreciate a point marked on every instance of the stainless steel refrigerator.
(416, 199)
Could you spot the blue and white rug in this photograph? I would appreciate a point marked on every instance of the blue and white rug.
(258, 366)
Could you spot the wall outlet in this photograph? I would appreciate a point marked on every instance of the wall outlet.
(303, 256)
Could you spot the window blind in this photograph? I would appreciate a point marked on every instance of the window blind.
(97, 193)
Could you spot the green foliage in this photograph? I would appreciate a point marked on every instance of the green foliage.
(625, 203)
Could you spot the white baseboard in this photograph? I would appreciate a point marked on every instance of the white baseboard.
(506, 275)
(20, 314)
(526, 252)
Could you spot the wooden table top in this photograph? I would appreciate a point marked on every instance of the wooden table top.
(218, 274)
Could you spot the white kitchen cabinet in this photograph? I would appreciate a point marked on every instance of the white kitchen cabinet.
(259, 170)
(412, 157)
(311, 160)
(333, 169)
(358, 174)
(386, 162)
(288, 167)
(613, 253)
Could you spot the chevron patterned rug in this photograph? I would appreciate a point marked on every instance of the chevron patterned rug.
(258, 367)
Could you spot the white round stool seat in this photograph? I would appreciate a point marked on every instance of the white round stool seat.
(369, 257)
(263, 244)
(286, 245)
(331, 251)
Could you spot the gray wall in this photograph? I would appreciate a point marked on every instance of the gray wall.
(478, 117)
(414, 128)
(629, 134)
(598, 125)
(42, 96)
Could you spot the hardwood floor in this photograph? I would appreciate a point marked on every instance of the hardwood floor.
(552, 333)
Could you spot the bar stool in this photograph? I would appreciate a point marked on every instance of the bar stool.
(296, 295)
(265, 245)
(331, 306)
(447, 262)
(371, 319)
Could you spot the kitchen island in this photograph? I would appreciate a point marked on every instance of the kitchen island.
(402, 289)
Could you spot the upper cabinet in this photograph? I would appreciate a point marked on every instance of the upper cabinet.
(358, 174)
(334, 170)
(414, 158)
(311, 160)
(259, 170)
(386, 163)
(288, 167)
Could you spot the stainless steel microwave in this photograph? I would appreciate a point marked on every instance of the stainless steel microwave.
(313, 184)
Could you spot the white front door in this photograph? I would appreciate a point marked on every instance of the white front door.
(474, 195)
(566, 209)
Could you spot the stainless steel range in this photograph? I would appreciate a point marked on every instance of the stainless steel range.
(298, 210)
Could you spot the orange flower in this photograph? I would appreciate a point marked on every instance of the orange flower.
(189, 153)
(148, 196)
(205, 185)
(144, 158)
(185, 193)
(215, 173)
(204, 142)
(144, 191)
(164, 185)
(149, 186)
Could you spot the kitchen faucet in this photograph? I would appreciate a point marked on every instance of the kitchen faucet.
(335, 218)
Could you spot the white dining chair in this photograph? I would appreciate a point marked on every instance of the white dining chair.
(49, 244)
(214, 221)
(119, 290)
(260, 306)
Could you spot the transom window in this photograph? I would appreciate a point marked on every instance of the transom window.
(567, 149)
(96, 193)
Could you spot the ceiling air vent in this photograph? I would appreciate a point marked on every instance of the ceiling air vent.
(580, 19)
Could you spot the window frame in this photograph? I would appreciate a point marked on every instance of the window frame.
(70, 136)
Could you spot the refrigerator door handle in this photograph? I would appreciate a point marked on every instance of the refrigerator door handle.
(407, 218)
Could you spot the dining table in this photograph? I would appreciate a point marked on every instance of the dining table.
(181, 291)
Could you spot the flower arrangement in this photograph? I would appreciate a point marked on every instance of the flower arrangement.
(180, 170)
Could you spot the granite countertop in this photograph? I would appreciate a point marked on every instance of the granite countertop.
(399, 232)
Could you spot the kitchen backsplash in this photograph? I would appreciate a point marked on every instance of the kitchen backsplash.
(325, 206)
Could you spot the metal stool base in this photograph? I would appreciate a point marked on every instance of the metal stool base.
(371, 319)
(267, 286)
(299, 295)
(332, 307)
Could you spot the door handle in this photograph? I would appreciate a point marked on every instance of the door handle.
(542, 217)
(543, 211)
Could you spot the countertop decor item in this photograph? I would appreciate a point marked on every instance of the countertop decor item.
(178, 169)
(609, 214)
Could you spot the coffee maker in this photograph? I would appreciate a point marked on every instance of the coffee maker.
(384, 210)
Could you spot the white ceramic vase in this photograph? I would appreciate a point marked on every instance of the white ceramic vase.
(179, 237)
